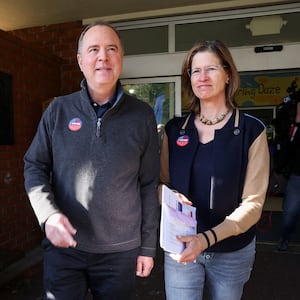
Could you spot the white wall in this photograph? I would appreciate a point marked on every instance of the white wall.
(246, 60)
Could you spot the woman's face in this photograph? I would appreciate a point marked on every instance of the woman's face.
(208, 76)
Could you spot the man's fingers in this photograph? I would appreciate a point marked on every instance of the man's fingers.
(60, 231)
(69, 226)
(144, 266)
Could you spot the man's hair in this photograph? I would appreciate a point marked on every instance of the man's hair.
(96, 23)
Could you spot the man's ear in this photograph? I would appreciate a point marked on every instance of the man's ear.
(79, 60)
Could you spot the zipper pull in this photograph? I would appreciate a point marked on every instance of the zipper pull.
(98, 129)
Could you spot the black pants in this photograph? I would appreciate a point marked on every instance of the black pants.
(69, 273)
(291, 207)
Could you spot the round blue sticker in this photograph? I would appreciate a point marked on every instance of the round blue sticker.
(183, 140)
(75, 124)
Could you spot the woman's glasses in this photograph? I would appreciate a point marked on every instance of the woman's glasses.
(208, 70)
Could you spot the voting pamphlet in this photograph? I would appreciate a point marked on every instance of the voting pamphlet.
(177, 218)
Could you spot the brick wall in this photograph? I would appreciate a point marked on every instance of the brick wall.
(42, 61)
(59, 40)
(36, 77)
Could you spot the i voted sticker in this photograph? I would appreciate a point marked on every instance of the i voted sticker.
(75, 124)
(183, 140)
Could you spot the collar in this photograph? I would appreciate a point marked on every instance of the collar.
(236, 129)
(112, 101)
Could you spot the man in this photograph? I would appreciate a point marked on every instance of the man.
(291, 204)
(91, 174)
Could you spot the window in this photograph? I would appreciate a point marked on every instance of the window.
(6, 109)
(159, 93)
(145, 40)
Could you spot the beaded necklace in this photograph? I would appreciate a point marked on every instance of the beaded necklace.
(214, 121)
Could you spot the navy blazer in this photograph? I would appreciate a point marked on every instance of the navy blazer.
(230, 159)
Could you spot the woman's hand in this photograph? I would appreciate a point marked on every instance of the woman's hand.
(195, 245)
(182, 198)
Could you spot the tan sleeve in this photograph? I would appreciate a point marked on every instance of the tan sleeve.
(164, 165)
(164, 161)
(254, 192)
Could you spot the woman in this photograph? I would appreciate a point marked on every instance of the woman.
(217, 159)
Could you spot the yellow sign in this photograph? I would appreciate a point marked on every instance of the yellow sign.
(264, 90)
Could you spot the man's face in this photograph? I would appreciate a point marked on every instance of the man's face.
(101, 57)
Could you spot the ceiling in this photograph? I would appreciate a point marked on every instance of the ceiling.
(19, 14)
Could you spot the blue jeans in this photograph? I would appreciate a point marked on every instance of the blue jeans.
(218, 276)
(69, 273)
(291, 207)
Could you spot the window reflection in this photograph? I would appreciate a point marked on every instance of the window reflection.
(160, 96)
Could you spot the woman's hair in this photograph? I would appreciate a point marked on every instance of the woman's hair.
(222, 52)
(96, 23)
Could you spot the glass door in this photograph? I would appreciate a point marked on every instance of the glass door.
(162, 94)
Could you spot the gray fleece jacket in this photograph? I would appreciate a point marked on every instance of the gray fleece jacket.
(101, 173)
